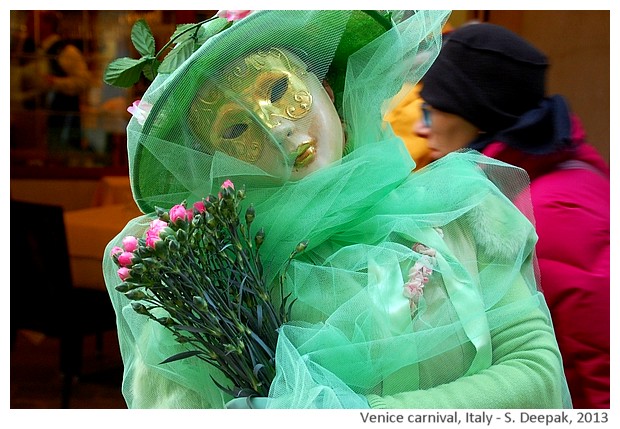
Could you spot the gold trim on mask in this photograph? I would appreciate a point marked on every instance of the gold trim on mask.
(273, 84)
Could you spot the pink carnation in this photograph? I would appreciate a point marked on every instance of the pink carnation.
(226, 185)
(125, 258)
(124, 273)
(178, 212)
(199, 206)
(233, 15)
(152, 234)
(130, 243)
(116, 250)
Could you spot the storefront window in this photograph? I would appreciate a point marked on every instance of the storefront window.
(64, 119)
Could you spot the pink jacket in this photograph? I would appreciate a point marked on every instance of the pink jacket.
(570, 197)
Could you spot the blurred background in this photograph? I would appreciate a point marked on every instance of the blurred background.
(68, 148)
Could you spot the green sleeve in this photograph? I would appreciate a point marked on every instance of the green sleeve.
(525, 372)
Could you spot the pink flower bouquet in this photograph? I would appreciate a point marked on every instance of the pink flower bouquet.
(198, 273)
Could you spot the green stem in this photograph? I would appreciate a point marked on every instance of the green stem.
(188, 29)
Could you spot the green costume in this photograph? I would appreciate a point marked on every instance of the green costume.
(416, 290)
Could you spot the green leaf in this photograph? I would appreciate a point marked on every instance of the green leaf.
(257, 368)
(211, 29)
(183, 33)
(124, 72)
(262, 344)
(192, 329)
(182, 355)
(151, 68)
(188, 38)
(176, 57)
(235, 392)
(142, 38)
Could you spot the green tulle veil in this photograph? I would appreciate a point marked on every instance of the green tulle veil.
(368, 219)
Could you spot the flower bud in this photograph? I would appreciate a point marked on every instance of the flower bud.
(138, 269)
(165, 232)
(241, 193)
(140, 308)
(136, 295)
(162, 214)
(151, 263)
(173, 245)
(250, 214)
(301, 246)
(259, 238)
(181, 235)
(211, 221)
(200, 303)
(126, 287)
(209, 206)
(153, 233)
(166, 321)
(196, 221)
(160, 248)
(123, 287)
(226, 193)
(181, 223)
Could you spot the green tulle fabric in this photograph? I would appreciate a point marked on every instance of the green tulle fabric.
(357, 340)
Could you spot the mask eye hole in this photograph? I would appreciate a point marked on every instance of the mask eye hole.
(278, 89)
(234, 131)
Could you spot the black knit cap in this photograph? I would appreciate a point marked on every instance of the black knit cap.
(487, 75)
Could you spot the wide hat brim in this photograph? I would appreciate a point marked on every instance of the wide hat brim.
(326, 38)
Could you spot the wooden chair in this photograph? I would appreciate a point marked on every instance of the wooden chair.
(43, 297)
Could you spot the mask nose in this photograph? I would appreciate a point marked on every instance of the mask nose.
(290, 135)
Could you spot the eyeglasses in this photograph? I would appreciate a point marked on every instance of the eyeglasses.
(426, 114)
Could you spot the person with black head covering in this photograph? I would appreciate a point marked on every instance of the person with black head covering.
(486, 91)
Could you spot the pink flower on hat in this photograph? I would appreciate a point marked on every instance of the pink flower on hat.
(140, 110)
(233, 15)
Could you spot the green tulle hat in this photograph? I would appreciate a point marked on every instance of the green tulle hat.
(325, 39)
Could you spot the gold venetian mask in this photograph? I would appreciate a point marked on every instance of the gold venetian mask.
(235, 113)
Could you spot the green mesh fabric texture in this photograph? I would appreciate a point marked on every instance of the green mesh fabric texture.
(479, 335)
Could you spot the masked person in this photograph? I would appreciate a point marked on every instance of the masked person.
(486, 91)
(414, 291)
